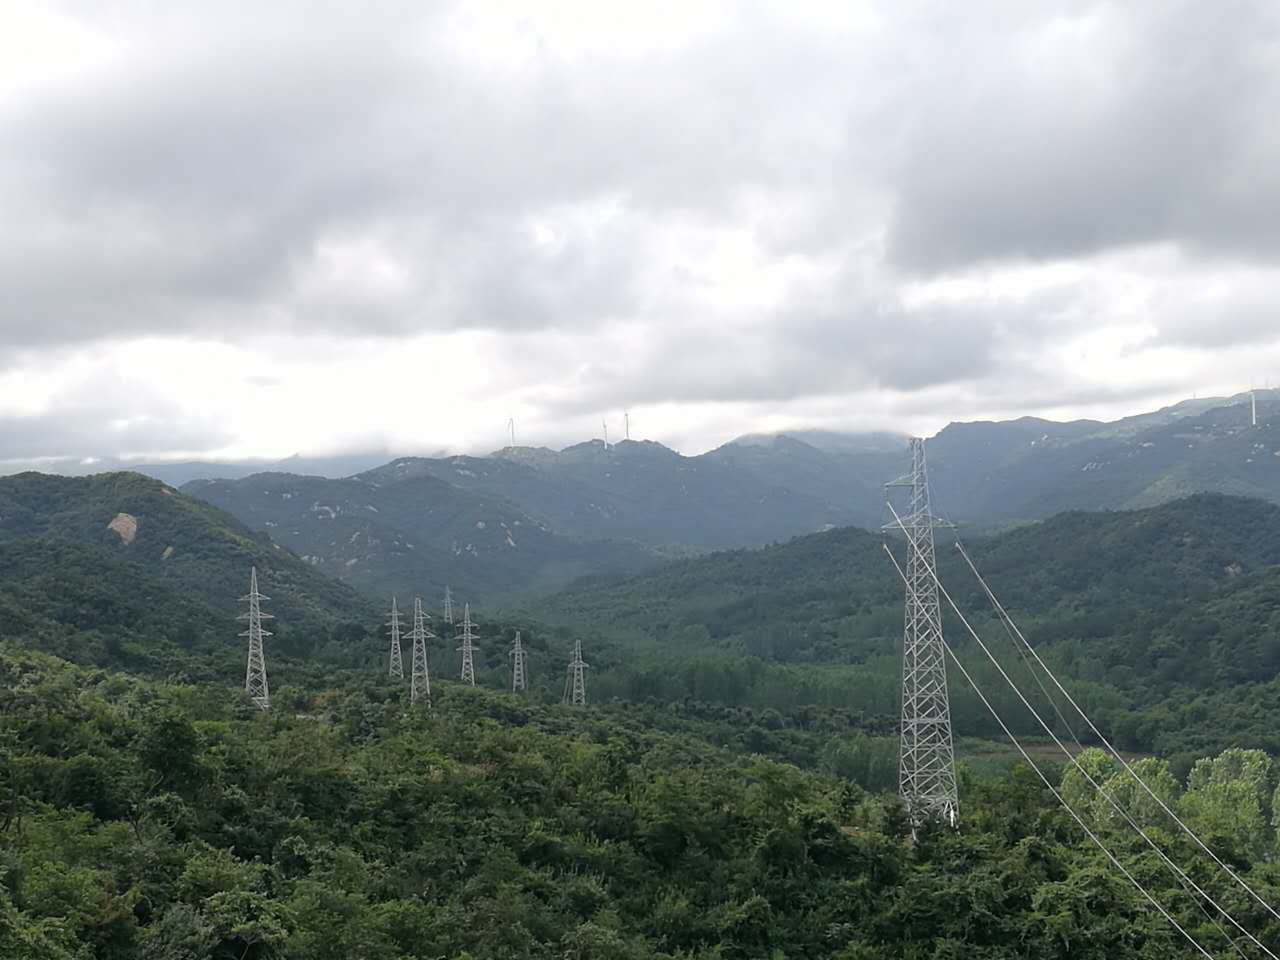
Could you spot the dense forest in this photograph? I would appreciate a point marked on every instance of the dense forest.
(170, 820)
(1165, 620)
(729, 793)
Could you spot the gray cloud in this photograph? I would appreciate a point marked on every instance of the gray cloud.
(104, 417)
(1108, 125)
(405, 168)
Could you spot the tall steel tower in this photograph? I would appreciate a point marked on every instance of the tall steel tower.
(255, 677)
(467, 648)
(420, 676)
(519, 681)
(926, 762)
(448, 606)
(397, 665)
(575, 685)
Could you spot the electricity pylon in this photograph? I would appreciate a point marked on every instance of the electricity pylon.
(519, 681)
(575, 685)
(926, 756)
(255, 677)
(448, 606)
(467, 648)
(420, 676)
(397, 665)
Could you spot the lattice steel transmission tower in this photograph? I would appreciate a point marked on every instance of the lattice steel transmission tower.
(467, 648)
(255, 677)
(519, 679)
(926, 759)
(397, 664)
(448, 606)
(575, 684)
(420, 676)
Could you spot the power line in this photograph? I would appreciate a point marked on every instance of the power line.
(519, 681)
(397, 664)
(467, 648)
(420, 675)
(926, 754)
(1004, 614)
(1177, 871)
(1058, 796)
(255, 676)
(575, 686)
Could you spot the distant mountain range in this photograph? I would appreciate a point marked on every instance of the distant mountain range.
(399, 529)
(529, 519)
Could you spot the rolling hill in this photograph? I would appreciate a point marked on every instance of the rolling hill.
(120, 568)
(1156, 614)
(400, 529)
(527, 520)
(642, 491)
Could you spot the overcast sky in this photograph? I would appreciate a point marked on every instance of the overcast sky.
(258, 229)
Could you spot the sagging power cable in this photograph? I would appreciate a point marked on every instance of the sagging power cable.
(1054, 790)
(1183, 878)
(1128, 768)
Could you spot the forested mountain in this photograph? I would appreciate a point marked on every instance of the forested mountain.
(121, 569)
(996, 473)
(1158, 615)
(573, 506)
(642, 491)
(1034, 468)
(399, 529)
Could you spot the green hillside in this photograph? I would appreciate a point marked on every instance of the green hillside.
(399, 529)
(1158, 615)
(165, 593)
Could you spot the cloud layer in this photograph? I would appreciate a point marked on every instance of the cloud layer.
(310, 220)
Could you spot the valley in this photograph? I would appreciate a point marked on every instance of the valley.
(729, 789)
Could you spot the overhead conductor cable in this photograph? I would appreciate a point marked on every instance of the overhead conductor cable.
(1061, 800)
(1178, 872)
(1004, 614)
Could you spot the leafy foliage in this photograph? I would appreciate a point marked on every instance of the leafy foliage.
(151, 819)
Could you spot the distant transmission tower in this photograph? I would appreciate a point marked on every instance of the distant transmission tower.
(397, 665)
(420, 677)
(575, 685)
(519, 680)
(448, 606)
(926, 762)
(467, 648)
(255, 677)
(626, 423)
